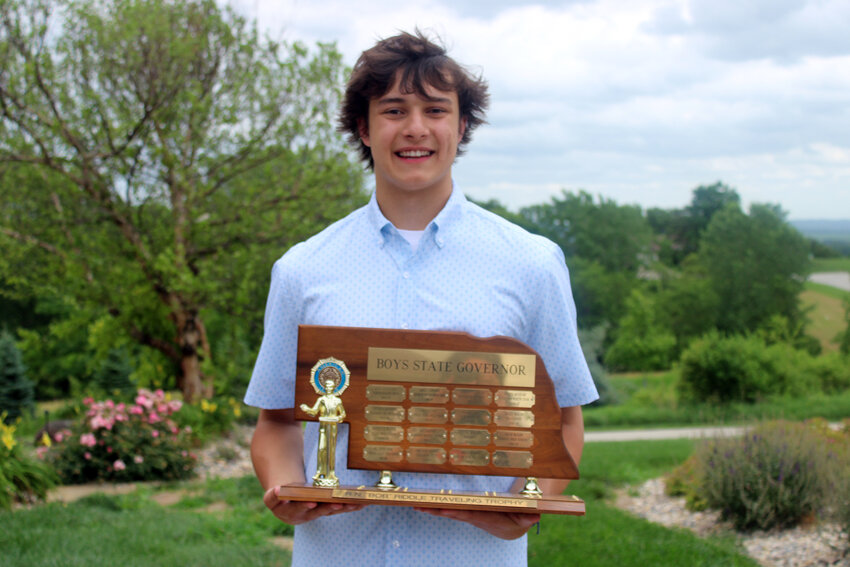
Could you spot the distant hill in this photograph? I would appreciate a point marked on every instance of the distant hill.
(824, 230)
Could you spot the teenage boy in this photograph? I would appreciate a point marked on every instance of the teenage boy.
(418, 256)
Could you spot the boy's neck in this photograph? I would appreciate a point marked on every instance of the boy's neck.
(412, 210)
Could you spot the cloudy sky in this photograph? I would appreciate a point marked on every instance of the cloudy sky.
(639, 101)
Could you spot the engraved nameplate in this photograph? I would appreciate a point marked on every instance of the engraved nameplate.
(429, 394)
(514, 398)
(384, 433)
(392, 414)
(504, 438)
(471, 397)
(385, 393)
(426, 455)
(514, 459)
(463, 416)
(428, 415)
(470, 457)
(471, 437)
(383, 453)
(451, 367)
(413, 498)
(427, 435)
(514, 418)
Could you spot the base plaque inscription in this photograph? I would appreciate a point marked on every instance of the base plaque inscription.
(438, 402)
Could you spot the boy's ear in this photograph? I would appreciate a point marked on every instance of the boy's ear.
(363, 129)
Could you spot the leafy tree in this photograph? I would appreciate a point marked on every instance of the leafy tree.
(641, 342)
(16, 391)
(756, 264)
(155, 157)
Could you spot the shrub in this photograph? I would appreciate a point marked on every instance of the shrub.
(126, 442)
(16, 391)
(21, 478)
(773, 477)
(685, 481)
(641, 342)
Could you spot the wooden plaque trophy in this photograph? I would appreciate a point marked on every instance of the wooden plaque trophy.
(431, 401)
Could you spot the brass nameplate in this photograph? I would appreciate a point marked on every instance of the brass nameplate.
(451, 367)
(384, 433)
(463, 416)
(413, 498)
(504, 438)
(471, 397)
(383, 453)
(514, 459)
(393, 414)
(427, 435)
(515, 398)
(470, 457)
(471, 437)
(429, 394)
(385, 393)
(426, 455)
(514, 418)
(427, 415)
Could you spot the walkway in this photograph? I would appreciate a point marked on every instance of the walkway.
(841, 280)
(657, 434)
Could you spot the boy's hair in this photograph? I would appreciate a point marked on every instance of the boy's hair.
(421, 63)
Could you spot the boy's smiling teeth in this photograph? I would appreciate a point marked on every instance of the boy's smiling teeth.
(414, 153)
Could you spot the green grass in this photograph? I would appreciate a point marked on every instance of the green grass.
(133, 531)
(841, 264)
(607, 536)
(825, 313)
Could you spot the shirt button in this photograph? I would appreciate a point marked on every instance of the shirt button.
(406, 275)
(396, 544)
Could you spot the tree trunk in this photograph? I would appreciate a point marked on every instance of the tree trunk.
(192, 338)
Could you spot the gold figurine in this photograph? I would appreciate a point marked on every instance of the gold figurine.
(332, 375)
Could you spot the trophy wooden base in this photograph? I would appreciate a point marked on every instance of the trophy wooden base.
(489, 501)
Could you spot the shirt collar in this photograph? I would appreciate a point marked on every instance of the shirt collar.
(440, 227)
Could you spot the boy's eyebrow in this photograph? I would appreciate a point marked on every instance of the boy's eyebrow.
(402, 100)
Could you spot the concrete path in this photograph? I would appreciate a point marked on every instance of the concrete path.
(656, 434)
(841, 280)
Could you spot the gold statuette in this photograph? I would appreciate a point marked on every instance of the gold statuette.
(330, 378)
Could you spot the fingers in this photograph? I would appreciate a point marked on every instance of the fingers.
(504, 525)
(294, 512)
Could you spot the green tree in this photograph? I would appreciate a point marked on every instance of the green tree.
(756, 264)
(156, 156)
(16, 391)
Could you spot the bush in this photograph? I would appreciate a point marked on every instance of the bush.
(126, 442)
(742, 368)
(774, 477)
(21, 478)
(210, 418)
(16, 391)
(641, 343)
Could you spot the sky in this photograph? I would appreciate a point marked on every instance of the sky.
(638, 101)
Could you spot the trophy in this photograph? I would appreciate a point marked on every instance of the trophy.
(430, 401)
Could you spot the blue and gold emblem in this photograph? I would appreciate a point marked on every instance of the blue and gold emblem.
(330, 369)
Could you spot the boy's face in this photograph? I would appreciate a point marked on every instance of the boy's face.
(413, 141)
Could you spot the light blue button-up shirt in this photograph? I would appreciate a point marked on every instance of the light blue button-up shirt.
(473, 271)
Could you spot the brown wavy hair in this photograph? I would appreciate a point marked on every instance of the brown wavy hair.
(419, 62)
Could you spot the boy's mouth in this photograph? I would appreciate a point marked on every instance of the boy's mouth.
(414, 153)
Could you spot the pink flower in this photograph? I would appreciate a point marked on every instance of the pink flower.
(137, 410)
(87, 455)
(41, 452)
(138, 459)
(154, 417)
(109, 449)
(88, 440)
(119, 465)
(155, 433)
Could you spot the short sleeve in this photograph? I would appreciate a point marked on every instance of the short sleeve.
(272, 384)
(553, 333)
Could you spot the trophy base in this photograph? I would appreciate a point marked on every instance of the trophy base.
(419, 498)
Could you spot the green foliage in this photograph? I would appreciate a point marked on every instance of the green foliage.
(592, 346)
(124, 442)
(774, 477)
(22, 479)
(756, 264)
(16, 390)
(843, 338)
(158, 156)
(641, 343)
(113, 376)
(721, 369)
(685, 481)
(209, 418)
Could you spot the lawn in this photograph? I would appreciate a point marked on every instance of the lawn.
(222, 523)
(841, 264)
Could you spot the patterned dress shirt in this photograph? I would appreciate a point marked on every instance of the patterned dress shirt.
(472, 271)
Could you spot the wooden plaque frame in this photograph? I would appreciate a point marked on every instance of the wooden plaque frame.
(514, 426)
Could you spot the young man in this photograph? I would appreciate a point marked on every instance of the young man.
(418, 256)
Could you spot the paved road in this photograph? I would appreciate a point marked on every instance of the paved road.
(841, 280)
(655, 434)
